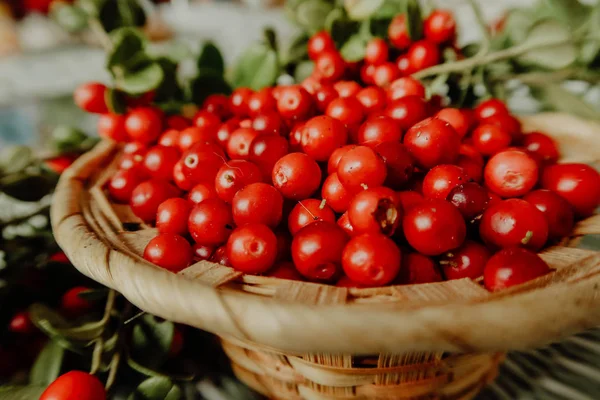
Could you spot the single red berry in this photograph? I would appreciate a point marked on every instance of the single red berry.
(336, 156)
(398, 32)
(432, 142)
(491, 107)
(371, 259)
(324, 95)
(211, 222)
(579, 184)
(511, 267)
(514, 223)
(317, 250)
(73, 305)
(148, 195)
(434, 227)
(377, 130)
(207, 121)
(335, 194)
(385, 74)
(375, 210)
(217, 104)
(265, 151)
(417, 269)
(112, 126)
(257, 203)
(468, 261)
(178, 122)
(470, 152)
(295, 103)
(202, 162)
(261, 102)
(558, 212)
(220, 256)
(409, 198)
(490, 139)
(441, 179)
(407, 111)
(372, 98)
(296, 176)
(201, 192)
(269, 123)
(308, 211)
(347, 110)
(238, 102)
(21, 323)
(122, 184)
(176, 343)
(403, 64)
(160, 161)
(182, 181)
(194, 135)
(169, 251)
(405, 86)
(233, 176)
(252, 249)
(376, 52)
(135, 148)
(347, 88)
(75, 385)
(344, 223)
(457, 119)
(60, 257)
(225, 130)
(322, 135)
(542, 145)
(472, 169)
(399, 163)
(202, 252)
(311, 83)
(90, 97)
(366, 73)
(509, 124)
(295, 138)
(172, 216)
(285, 270)
(360, 168)
(144, 124)
(423, 54)
(440, 27)
(511, 173)
(330, 66)
(320, 43)
(169, 138)
(238, 146)
(471, 200)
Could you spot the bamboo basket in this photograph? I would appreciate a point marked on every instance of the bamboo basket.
(296, 340)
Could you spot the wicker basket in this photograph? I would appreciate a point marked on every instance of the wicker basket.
(296, 340)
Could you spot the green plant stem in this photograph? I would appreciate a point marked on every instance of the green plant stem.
(114, 367)
(538, 78)
(482, 25)
(98, 30)
(99, 346)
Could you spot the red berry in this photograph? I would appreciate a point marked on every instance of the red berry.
(317, 250)
(148, 195)
(135, 148)
(347, 88)
(371, 259)
(285, 270)
(403, 87)
(377, 130)
(375, 210)
(417, 269)
(90, 97)
(201, 192)
(295, 137)
(296, 176)
(112, 126)
(432, 142)
(541, 145)
(511, 267)
(409, 198)
(456, 118)
(169, 251)
(324, 95)
(366, 73)
(233, 176)
(172, 216)
(122, 184)
(182, 181)
(558, 212)
(193, 135)
(347, 110)
(160, 161)
(257, 203)
(491, 107)
(322, 135)
(311, 83)
(403, 64)
(202, 162)
(220, 256)
(330, 66)
(319, 43)
(202, 252)
(398, 32)
(238, 101)
(471, 153)
(144, 124)
(360, 168)
(295, 103)
(399, 163)
(514, 223)
(434, 227)
(376, 52)
(372, 99)
(252, 249)
(307, 212)
(238, 146)
(217, 104)
(261, 102)
(75, 385)
(579, 184)
(336, 156)
(471, 200)
(344, 223)
(511, 173)
(407, 111)
(335, 194)
(423, 54)
(225, 130)
(169, 138)
(385, 74)
(265, 151)
(207, 121)
(211, 222)
(21, 323)
(441, 179)
(269, 123)
(468, 261)
(490, 139)
(73, 305)
(508, 123)
(178, 123)
(440, 27)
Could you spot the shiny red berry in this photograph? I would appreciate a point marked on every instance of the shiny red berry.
(194, 135)
(148, 195)
(491, 107)
(385, 74)
(375, 210)
(405, 86)
(75, 385)
(371, 259)
(335, 194)
(322, 135)
(296, 176)
(202, 162)
(471, 199)
(542, 145)
(423, 54)
(579, 184)
(210, 222)
(558, 212)
(441, 179)
(511, 267)
(172, 216)
(457, 118)
(265, 151)
(440, 27)
(252, 249)
(468, 261)
(144, 124)
(238, 101)
(490, 139)
(308, 211)
(376, 52)
(324, 95)
(122, 184)
(409, 198)
(233, 176)
(159, 162)
(347, 110)
(407, 111)
(347, 88)
(398, 32)
(295, 103)
(319, 43)
(361, 168)
(269, 123)
(90, 97)
(417, 269)
(372, 98)
(432, 142)
(169, 138)
(238, 146)
(202, 252)
(112, 126)
(169, 251)
(201, 192)
(330, 66)
(511, 173)
(21, 323)
(285, 270)
(261, 102)
(257, 203)
(377, 130)
(399, 163)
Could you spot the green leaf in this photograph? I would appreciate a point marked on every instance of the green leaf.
(354, 49)
(206, 83)
(296, 51)
(570, 12)
(116, 101)
(340, 27)
(414, 21)
(257, 68)
(389, 9)
(121, 13)
(303, 70)
(151, 341)
(157, 388)
(153, 373)
(128, 44)
(47, 365)
(21, 392)
(67, 139)
(143, 80)
(55, 326)
(518, 24)
(15, 158)
(311, 14)
(590, 49)
(71, 18)
(91, 7)
(551, 57)
(210, 57)
(361, 9)
(26, 187)
(560, 99)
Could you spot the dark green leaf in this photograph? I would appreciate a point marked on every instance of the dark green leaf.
(15, 158)
(121, 13)
(518, 24)
(555, 56)
(311, 14)
(303, 70)
(151, 341)
(389, 9)
(342, 28)
(270, 38)
(21, 392)
(26, 187)
(210, 57)
(91, 7)
(560, 99)
(143, 80)
(570, 12)
(128, 44)
(362, 9)
(379, 27)
(257, 68)
(206, 83)
(55, 326)
(157, 388)
(354, 49)
(47, 365)
(414, 20)
(169, 88)
(153, 373)
(71, 18)
(67, 139)
(296, 51)
(116, 101)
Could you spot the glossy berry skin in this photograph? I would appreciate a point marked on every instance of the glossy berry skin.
(182, 181)
(335, 194)
(347, 110)
(432, 142)
(409, 198)
(371, 259)
(148, 195)
(470, 199)
(375, 210)
(172, 216)
(418, 268)
(423, 54)
(330, 66)
(202, 162)
(112, 126)
(225, 130)
(403, 64)
(257, 203)
(261, 102)
(489, 108)
(456, 118)
(376, 52)
(440, 27)
(441, 179)
(511, 173)
(579, 184)
(143, 124)
(266, 150)
(398, 32)
(238, 146)
(206, 121)
(490, 139)
(407, 111)
(178, 122)
(295, 137)
(285, 270)
(434, 227)
(377, 130)
(324, 95)
(159, 162)
(75, 385)
(468, 261)
(322, 135)
(558, 212)
(511, 267)
(201, 192)
(202, 252)
(372, 99)
(211, 222)
(403, 87)
(317, 251)
(238, 101)
(233, 176)
(220, 256)
(308, 211)
(541, 145)
(169, 251)
(385, 74)
(252, 249)
(399, 163)
(269, 123)
(319, 43)
(296, 176)
(217, 104)
(514, 223)
(509, 124)
(21, 323)
(169, 138)
(344, 223)
(336, 156)
(90, 97)
(122, 184)
(73, 305)
(360, 168)
(347, 88)
(193, 135)
(295, 103)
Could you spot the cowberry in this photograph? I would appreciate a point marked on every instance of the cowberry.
(579, 184)
(257, 203)
(344, 223)
(169, 251)
(371, 259)
(468, 261)
(210, 222)
(376, 51)
(347, 88)
(361, 167)
(398, 32)
(322, 135)
(385, 74)
(159, 162)
(202, 252)
(542, 145)
(238, 101)
(319, 43)
(511, 173)
(372, 98)
(194, 135)
(261, 102)
(324, 95)
(441, 179)
(182, 181)
(432, 142)
(169, 138)
(399, 163)
(336, 156)
(252, 249)
(75, 385)
(233, 176)
(558, 212)
(148, 195)
(266, 150)
(509, 124)
(201, 192)
(490, 139)
(491, 107)
(405, 86)
(511, 267)
(347, 110)
(122, 183)
(407, 111)
(418, 268)
(308, 211)
(202, 162)
(471, 199)
(423, 54)
(238, 146)
(285, 270)
(440, 27)
(409, 198)
(457, 118)
(225, 130)
(178, 122)
(90, 97)
(172, 216)
(295, 103)
(377, 130)
(335, 194)
(144, 124)
(330, 66)
(269, 123)
(112, 126)
(296, 176)
(375, 210)
(21, 323)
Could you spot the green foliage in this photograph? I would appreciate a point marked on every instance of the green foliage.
(157, 388)
(259, 65)
(47, 365)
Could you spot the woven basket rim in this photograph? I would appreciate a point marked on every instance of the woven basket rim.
(527, 316)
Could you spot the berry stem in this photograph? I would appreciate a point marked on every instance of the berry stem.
(98, 30)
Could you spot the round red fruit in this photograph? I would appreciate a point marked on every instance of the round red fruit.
(325, 95)
(90, 97)
(344, 223)
(193, 135)
(122, 184)
(423, 54)
(440, 27)
(511, 173)
(238, 101)
(385, 74)
(322, 135)
(375, 210)
(269, 123)
(471, 199)
(148, 195)
(347, 88)
(398, 32)
(202, 162)
(399, 163)
(409, 198)
(320, 43)
(377, 130)
(233, 176)
(72, 304)
(307, 212)
(144, 124)
(201, 192)
(335, 194)
(225, 130)
(285, 270)
(407, 111)
(347, 110)
(579, 184)
(252, 249)
(468, 261)
(172, 216)
(491, 107)
(112, 126)
(456, 118)
(441, 179)
(178, 122)
(490, 139)
(160, 161)
(511, 267)
(372, 98)
(211, 222)
(507, 123)
(295, 103)
(360, 168)
(558, 212)
(371, 259)
(169, 138)
(261, 102)
(202, 252)
(376, 52)
(75, 385)
(169, 251)
(417, 269)
(541, 145)
(238, 146)
(432, 142)
(330, 66)
(405, 86)
(336, 156)
(21, 323)
(265, 151)
(257, 203)
(296, 176)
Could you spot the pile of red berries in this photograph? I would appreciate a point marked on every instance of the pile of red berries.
(344, 184)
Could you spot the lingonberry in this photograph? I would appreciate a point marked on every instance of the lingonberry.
(265, 151)
(335, 194)
(169, 138)
(366, 73)
(372, 99)
(233, 176)
(144, 124)
(225, 130)
(90, 97)
(371, 259)
(73, 304)
(336, 156)
(377, 130)
(296, 176)
(434, 227)
(407, 111)
(112, 126)
(347, 110)
(194, 135)
(330, 66)
(405, 86)
(511, 267)
(322, 135)
(409, 198)
(471, 199)
(385, 74)
(122, 183)
(201, 192)
(456, 118)
(398, 33)
(210, 222)
(311, 83)
(324, 95)
(238, 146)
(376, 51)
(285, 270)
(202, 252)
(269, 123)
(206, 120)
(320, 43)
(202, 162)
(440, 27)
(361, 167)
(511, 173)
(403, 64)
(217, 104)
(375, 210)
(432, 142)
(308, 211)
(418, 268)
(172, 216)
(295, 103)
(399, 163)
(423, 54)
(21, 323)
(490, 107)
(147, 196)
(344, 223)
(347, 88)
(295, 138)
(182, 181)
(75, 385)
(441, 179)
(542, 145)
(468, 261)
(558, 212)
(135, 148)
(178, 122)
(317, 250)
(220, 256)
(471, 153)
(514, 223)
(160, 160)
(507, 123)
(238, 102)
(252, 249)
(257, 203)
(261, 102)
(169, 251)
(579, 184)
